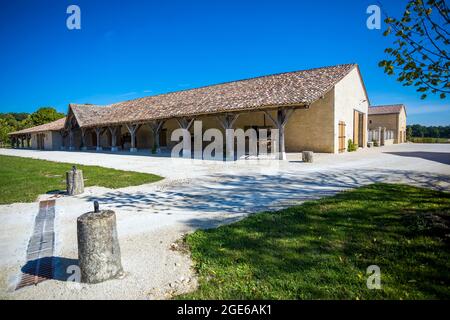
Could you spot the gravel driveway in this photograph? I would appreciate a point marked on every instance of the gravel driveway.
(195, 194)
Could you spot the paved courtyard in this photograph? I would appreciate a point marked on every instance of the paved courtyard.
(195, 194)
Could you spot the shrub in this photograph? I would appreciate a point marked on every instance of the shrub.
(351, 146)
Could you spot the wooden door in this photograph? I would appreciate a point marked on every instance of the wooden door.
(40, 141)
(356, 126)
(341, 136)
(362, 130)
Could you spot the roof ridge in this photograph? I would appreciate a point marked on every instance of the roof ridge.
(38, 127)
(301, 88)
(216, 84)
(388, 105)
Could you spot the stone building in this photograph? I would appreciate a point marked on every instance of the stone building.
(316, 110)
(44, 137)
(389, 118)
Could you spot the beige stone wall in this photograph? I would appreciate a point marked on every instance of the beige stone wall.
(392, 121)
(259, 119)
(56, 140)
(244, 121)
(349, 95)
(144, 137)
(312, 129)
(402, 125)
(105, 139)
(52, 140)
(33, 141)
(48, 140)
(170, 126)
(388, 121)
(90, 138)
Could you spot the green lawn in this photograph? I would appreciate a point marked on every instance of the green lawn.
(321, 249)
(22, 179)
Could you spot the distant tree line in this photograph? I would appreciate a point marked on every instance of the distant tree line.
(419, 131)
(11, 122)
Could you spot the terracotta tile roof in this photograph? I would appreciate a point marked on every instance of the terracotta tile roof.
(299, 88)
(386, 109)
(51, 126)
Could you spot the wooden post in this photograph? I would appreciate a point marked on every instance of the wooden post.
(98, 246)
(29, 141)
(227, 121)
(381, 135)
(185, 123)
(98, 132)
(63, 135)
(283, 116)
(83, 139)
(71, 146)
(113, 131)
(22, 145)
(133, 128)
(156, 127)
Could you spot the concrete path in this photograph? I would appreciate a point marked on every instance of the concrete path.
(197, 194)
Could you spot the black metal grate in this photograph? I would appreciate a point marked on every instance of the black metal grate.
(39, 265)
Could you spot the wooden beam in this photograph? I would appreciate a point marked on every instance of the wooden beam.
(133, 128)
(227, 121)
(275, 123)
(71, 146)
(156, 127)
(99, 131)
(185, 123)
(83, 139)
(283, 116)
(113, 131)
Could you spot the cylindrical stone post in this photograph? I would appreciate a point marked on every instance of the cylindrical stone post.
(307, 156)
(74, 182)
(98, 247)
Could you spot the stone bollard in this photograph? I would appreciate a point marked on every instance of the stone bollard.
(74, 182)
(98, 246)
(307, 156)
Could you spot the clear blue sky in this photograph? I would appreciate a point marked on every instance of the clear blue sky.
(130, 49)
